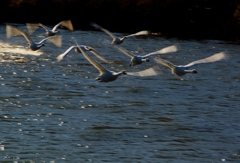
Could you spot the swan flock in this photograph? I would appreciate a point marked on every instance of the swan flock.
(105, 75)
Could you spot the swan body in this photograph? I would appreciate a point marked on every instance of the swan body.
(105, 75)
(135, 59)
(50, 32)
(184, 69)
(13, 31)
(117, 40)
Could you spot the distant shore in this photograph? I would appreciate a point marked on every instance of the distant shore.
(184, 19)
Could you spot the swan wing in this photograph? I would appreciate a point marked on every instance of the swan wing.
(96, 53)
(63, 55)
(11, 31)
(92, 61)
(45, 27)
(145, 32)
(32, 27)
(169, 49)
(124, 51)
(67, 24)
(216, 57)
(14, 31)
(164, 62)
(103, 29)
(153, 71)
(56, 40)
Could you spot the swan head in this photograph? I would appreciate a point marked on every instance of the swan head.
(123, 72)
(194, 71)
(57, 31)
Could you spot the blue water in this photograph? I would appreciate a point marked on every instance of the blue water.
(55, 112)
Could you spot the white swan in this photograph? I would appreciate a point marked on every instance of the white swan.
(14, 31)
(135, 60)
(183, 69)
(50, 32)
(85, 48)
(117, 40)
(106, 75)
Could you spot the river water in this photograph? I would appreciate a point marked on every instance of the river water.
(55, 112)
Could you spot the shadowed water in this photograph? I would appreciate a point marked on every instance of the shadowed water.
(56, 112)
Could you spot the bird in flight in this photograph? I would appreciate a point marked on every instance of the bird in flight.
(106, 75)
(137, 59)
(14, 31)
(180, 70)
(117, 40)
(50, 32)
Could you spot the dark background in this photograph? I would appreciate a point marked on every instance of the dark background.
(186, 19)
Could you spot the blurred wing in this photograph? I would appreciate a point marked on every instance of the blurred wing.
(12, 31)
(148, 72)
(67, 24)
(96, 54)
(216, 57)
(92, 61)
(63, 55)
(124, 51)
(164, 62)
(56, 40)
(32, 27)
(102, 29)
(169, 49)
(43, 26)
(139, 33)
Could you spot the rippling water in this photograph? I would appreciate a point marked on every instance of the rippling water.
(56, 112)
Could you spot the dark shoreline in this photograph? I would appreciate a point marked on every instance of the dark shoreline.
(182, 19)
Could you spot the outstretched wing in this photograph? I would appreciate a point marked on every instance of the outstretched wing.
(124, 51)
(45, 27)
(164, 62)
(11, 31)
(96, 53)
(103, 29)
(92, 61)
(139, 34)
(56, 40)
(169, 49)
(67, 24)
(153, 71)
(97, 65)
(32, 27)
(216, 57)
(14, 31)
(63, 55)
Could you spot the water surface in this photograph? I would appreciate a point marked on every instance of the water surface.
(56, 112)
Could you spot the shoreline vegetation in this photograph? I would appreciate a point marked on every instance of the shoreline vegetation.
(183, 19)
